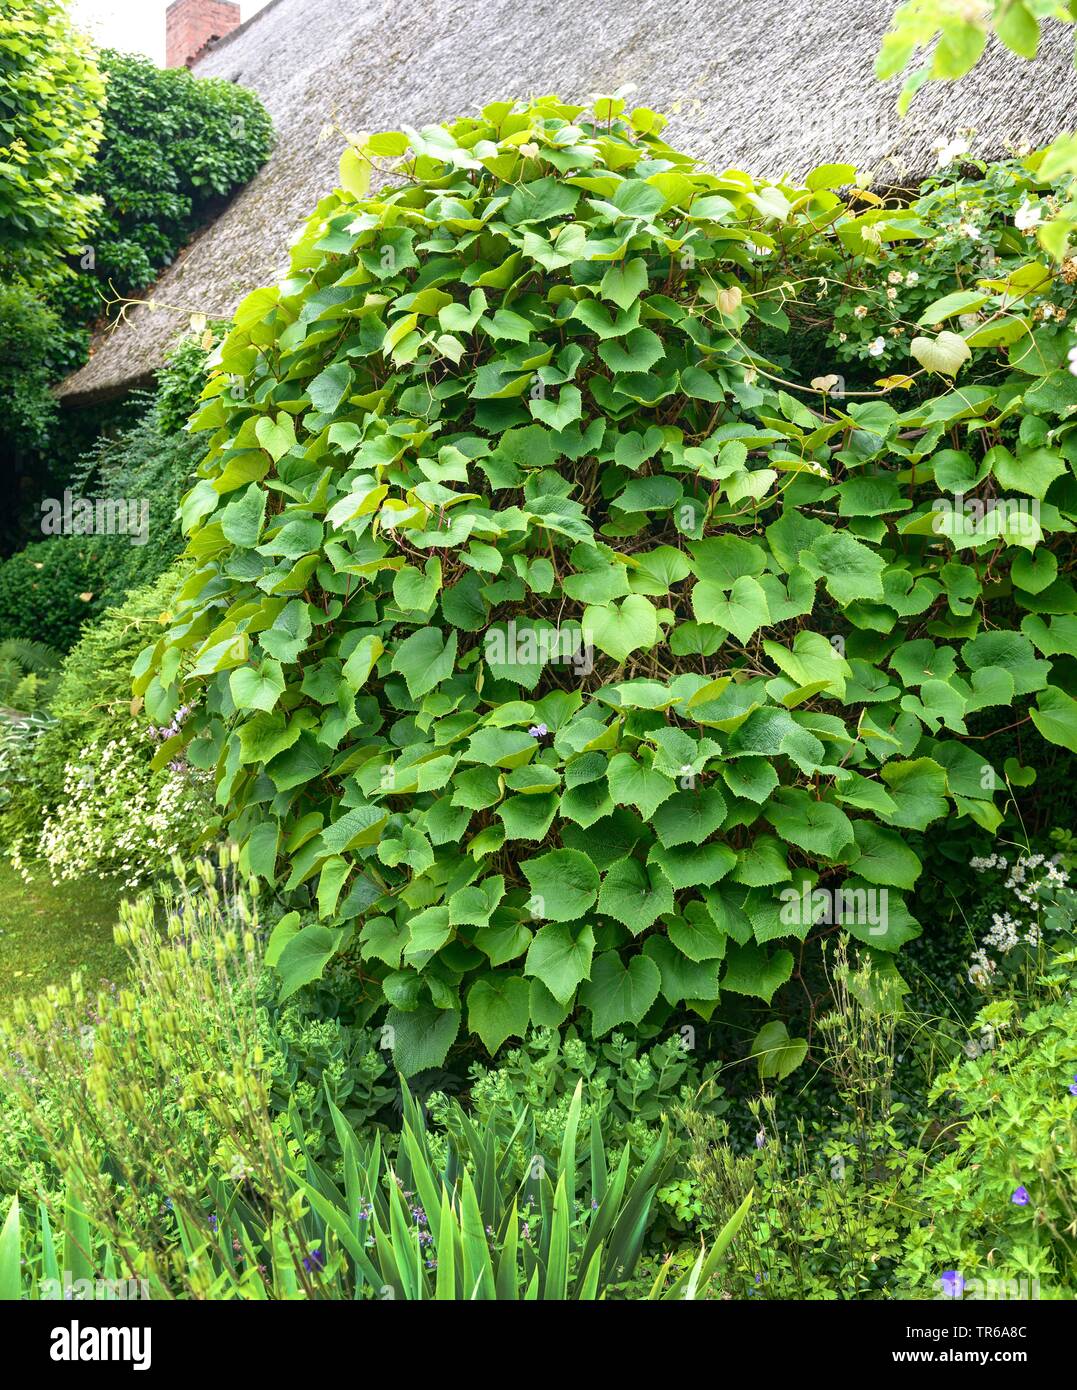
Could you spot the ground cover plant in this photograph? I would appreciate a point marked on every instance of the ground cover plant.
(161, 1149)
(46, 932)
(513, 533)
(177, 1173)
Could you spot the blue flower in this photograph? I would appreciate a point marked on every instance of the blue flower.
(1020, 1197)
(952, 1283)
(313, 1262)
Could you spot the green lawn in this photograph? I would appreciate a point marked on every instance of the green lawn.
(46, 933)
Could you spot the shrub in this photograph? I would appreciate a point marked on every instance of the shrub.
(835, 1195)
(174, 146)
(94, 692)
(50, 588)
(630, 1090)
(30, 357)
(320, 1061)
(1000, 1206)
(114, 816)
(151, 464)
(556, 642)
(1019, 915)
(140, 469)
(85, 794)
(179, 383)
(18, 740)
(148, 467)
(27, 330)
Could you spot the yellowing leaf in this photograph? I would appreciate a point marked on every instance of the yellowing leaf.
(354, 172)
(944, 354)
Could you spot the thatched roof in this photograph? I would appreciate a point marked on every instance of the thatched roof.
(770, 88)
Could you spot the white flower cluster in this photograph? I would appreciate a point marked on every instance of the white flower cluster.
(1024, 889)
(981, 969)
(1004, 932)
(1026, 879)
(117, 817)
(990, 861)
(947, 150)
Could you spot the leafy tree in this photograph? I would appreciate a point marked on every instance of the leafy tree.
(50, 98)
(551, 636)
(174, 147)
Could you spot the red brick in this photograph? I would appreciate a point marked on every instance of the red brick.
(191, 24)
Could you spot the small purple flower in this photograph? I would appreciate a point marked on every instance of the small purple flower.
(953, 1284)
(1073, 1089)
(1020, 1197)
(213, 1223)
(314, 1262)
(538, 731)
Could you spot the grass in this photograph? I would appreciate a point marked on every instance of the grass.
(46, 933)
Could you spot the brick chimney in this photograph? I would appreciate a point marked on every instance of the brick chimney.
(191, 25)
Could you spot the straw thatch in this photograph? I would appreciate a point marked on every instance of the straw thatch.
(771, 88)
